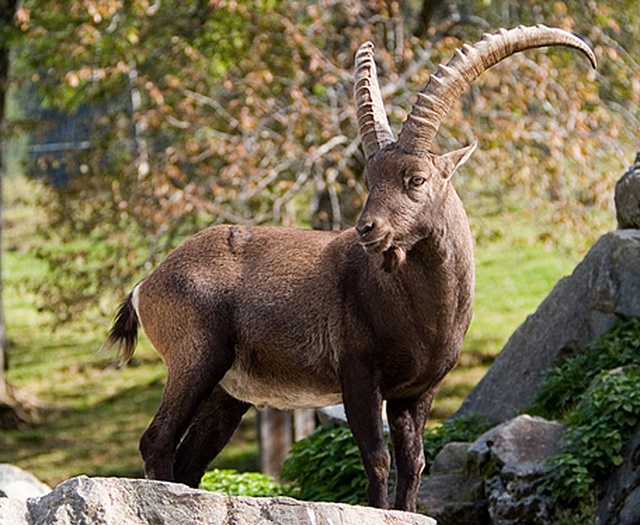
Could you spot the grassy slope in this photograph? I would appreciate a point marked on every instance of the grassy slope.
(514, 273)
(101, 411)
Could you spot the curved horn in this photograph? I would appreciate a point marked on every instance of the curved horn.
(373, 125)
(446, 85)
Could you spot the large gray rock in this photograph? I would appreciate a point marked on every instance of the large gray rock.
(107, 501)
(19, 484)
(604, 288)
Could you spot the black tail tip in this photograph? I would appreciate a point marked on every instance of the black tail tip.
(123, 335)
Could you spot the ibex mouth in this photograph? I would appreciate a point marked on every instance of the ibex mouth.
(378, 245)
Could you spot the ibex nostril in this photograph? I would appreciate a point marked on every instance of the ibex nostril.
(365, 228)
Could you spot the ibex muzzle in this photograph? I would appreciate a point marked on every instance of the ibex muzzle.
(297, 318)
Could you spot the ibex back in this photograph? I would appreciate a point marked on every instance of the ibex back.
(296, 318)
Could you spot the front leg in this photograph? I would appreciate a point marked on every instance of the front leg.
(407, 419)
(363, 406)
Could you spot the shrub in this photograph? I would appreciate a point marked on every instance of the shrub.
(235, 483)
(326, 466)
(564, 385)
(597, 430)
(597, 395)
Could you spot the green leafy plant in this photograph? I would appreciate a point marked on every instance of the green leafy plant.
(597, 395)
(236, 483)
(564, 385)
(597, 430)
(326, 466)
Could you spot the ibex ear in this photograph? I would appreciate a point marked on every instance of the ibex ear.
(449, 162)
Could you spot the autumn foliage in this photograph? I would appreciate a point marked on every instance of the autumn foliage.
(240, 111)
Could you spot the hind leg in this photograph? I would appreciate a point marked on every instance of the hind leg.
(190, 381)
(212, 427)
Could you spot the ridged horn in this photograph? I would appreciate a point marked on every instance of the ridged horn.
(373, 125)
(446, 85)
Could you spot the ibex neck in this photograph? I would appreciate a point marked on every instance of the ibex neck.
(450, 238)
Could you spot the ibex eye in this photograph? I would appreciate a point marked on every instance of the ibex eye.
(417, 181)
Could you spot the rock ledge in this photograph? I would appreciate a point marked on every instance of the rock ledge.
(118, 501)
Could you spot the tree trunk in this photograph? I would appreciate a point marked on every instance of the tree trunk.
(275, 436)
(9, 416)
(427, 12)
(304, 423)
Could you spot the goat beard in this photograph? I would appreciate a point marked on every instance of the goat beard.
(393, 258)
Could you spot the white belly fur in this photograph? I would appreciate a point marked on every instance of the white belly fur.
(262, 393)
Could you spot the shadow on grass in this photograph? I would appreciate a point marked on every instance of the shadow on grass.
(98, 439)
(101, 439)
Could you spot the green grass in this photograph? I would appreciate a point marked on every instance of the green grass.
(515, 271)
(98, 412)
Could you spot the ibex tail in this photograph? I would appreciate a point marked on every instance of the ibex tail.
(124, 333)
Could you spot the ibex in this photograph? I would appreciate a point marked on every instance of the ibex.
(295, 318)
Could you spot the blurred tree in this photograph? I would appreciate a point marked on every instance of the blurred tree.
(8, 410)
(235, 111)
(428, 13)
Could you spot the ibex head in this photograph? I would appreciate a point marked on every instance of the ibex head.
(408, 183)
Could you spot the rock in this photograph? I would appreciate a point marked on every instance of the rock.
(520, 447)
(333, 414)
(13, 512)
(454, 498)
(18, 484)
(452, 457)
(517, 453)
(451, 494)
(627, 197)
(498, 479)
(604, 288)
(108, 501)
(509, 505)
